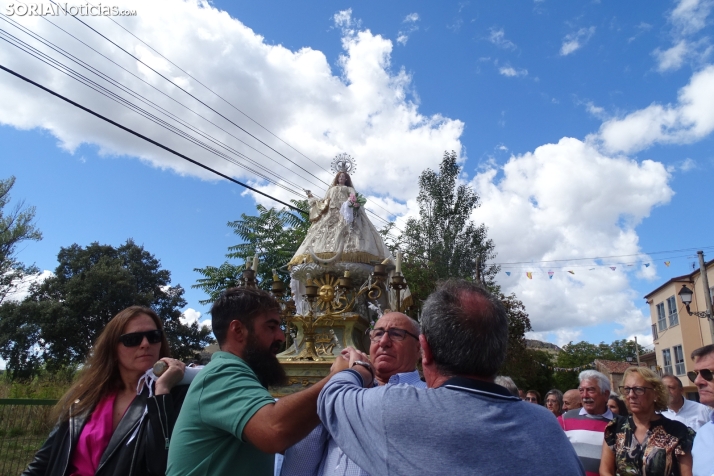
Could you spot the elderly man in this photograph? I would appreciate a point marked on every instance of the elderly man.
(394, 352)
(585, 427)
(571, 400)
(229, 423)
(692, 414)
(702, 454)
(463, 423)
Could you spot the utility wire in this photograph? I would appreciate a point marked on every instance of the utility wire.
(113, 96)
(147, 139)
(161, 92)
(220, 97)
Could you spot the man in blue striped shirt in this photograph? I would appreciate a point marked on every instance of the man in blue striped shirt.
(394, 352)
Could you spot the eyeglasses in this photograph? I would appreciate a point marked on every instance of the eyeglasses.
(705, 373)
(637, 390)
(395, 334)
(136, 338)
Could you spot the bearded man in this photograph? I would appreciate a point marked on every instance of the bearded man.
(229, 423)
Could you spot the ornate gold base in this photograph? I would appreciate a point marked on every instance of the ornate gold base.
(301, 375)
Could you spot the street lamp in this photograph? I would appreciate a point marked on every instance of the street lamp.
(685, 294)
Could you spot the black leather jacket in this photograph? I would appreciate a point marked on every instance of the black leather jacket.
(139, 446)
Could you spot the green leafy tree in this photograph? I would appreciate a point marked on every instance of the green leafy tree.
(57, 323)
(16, 226)
(584, 353)
(274, 235)
(443, 242)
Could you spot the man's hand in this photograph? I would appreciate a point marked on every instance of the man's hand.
(341, 362)
(170, 377)
(352, 355)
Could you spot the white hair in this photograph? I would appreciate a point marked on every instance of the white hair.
(602, 381)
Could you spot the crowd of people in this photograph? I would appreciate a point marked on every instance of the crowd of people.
(373, 414)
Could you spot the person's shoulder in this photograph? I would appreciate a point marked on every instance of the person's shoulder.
(674, 427)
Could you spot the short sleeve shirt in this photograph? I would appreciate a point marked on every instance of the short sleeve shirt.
(208, 436)
(657, 455)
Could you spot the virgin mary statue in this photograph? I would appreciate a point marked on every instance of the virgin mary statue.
(340, 230)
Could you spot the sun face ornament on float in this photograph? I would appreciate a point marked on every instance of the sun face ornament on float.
(342, 277)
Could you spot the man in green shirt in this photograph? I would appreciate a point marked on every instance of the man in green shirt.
(229, 424)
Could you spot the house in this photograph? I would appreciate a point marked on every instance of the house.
(675, 332)
(614, 371)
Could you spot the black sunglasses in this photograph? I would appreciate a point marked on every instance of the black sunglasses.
(135, 338)
(705, 373)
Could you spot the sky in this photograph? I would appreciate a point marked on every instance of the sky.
(585, 128)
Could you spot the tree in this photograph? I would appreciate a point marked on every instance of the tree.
(443, 242)
(583, 353)
(57, 323)
(274, 235)
(16, 226)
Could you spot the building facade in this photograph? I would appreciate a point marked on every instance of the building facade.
(675, 333)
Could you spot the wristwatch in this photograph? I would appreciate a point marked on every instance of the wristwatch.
(366, 365)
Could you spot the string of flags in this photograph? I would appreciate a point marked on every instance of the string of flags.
(551, 273)
(591, 365)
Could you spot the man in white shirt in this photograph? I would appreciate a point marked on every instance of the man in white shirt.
(702, 454)
(691, 413)
(394, 351)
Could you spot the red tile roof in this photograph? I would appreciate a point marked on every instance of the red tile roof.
(614, 367)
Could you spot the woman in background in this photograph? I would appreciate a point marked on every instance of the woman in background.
(617, 406)
(554, 402)
(645, 443)
(117, 418)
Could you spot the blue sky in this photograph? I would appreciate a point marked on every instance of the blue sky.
(586, 128)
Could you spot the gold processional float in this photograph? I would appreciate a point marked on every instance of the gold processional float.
(342, 279)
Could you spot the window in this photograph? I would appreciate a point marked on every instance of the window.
(672, 308)
(678, 360)
(667, 357)
(661, 318)
(654, 332)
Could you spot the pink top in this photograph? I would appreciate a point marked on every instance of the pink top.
(94, 439)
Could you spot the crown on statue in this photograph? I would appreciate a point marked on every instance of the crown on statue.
(343, 163)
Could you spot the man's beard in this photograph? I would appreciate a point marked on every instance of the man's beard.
(264, 363)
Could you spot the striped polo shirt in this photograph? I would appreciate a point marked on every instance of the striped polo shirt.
(586, 433)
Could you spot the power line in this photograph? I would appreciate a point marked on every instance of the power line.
(113, 96)
(151, 141)
(220, 97)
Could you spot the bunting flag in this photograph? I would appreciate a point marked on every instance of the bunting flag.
(508, 273)
(667, 263)
(571, 272)
(550, 274)
(569, 369)
(613, 268)
(530, 275)
(647, 265)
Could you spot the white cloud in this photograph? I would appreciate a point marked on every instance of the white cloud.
(23, 288)
(498, 38)
(411, 27)
(672, 58)
(688, 18)
(189, 316)
(512, 72)
(363, 107)
(574, 41)
(563, 201)
(692, 118)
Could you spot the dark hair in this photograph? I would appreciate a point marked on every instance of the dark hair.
(243, 304)
(621, 407)
(702, 351)
(100, 374)
(536, 393)
(466, 328)
(348, 181)
(679, 382)
(558, 396)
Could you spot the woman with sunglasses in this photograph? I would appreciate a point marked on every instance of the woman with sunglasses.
(117, 418)
(645, 443)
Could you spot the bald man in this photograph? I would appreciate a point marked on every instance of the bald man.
(394, 351)
(571, 400)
